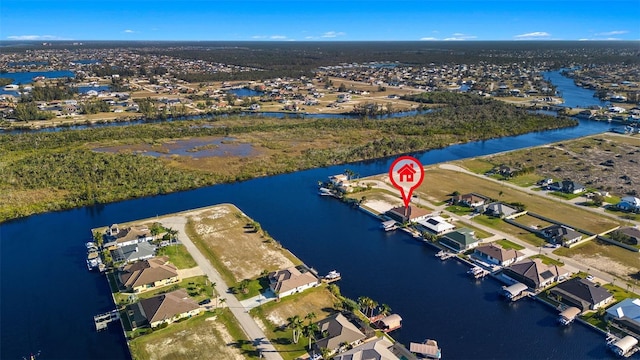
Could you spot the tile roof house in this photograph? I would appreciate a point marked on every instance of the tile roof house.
(497, 255)
(535, 274)
(560, 234)
(582, 294)
(291, 280)
(338, 330)
(165, 308)
(378, 349)
(128, 236)
(460, 240)
(148, 274)
(410, 214)
(626, 313)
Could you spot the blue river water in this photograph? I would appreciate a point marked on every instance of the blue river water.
(48, 297)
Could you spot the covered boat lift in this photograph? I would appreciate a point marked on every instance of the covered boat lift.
(515, 291)
(625, 346)
(390, 323)
(428, 349)
(568, 315)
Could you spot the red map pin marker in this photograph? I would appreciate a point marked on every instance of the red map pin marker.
(406, 174)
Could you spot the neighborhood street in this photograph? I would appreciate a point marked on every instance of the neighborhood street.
(251, 329)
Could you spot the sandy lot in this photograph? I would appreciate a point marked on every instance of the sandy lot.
(243, 252)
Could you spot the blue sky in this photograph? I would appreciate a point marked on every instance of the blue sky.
(333, 20)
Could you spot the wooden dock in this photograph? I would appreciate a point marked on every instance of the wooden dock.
(102, 321)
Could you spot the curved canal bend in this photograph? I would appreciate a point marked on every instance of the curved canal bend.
(48, 297)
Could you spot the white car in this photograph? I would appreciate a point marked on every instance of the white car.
(590, 278)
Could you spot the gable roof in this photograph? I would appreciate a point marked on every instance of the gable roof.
(535, 271)
(463, 236)
(628, 309)
(583, 290)
(134, 252)
(501, 209)
(560, 232)
(147, 272)
(289, 279)
(498, 252)
(414, 212)
(339, 330)
(372, 350)
(436, 224)
(167, 305)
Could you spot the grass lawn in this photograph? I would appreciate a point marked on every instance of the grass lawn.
(619, 293)
(530, 221)
(595, 319)
(480, 234)
(178, 255)
(198, 287)
(459, 210)
(565, 195)
(525, 180)
(439, 183)
(274, 315)
(476, 165)
(506, 244)
(197, 338)
(547, 260)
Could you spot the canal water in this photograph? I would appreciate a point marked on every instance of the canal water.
(49, 298)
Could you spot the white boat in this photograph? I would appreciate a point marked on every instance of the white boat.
(474, 270)
(11, 87)
(333, 275)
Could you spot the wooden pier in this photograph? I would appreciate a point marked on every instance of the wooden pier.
(102, 321)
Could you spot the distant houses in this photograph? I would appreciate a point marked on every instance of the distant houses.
(629, 203)
(567, 186)
(471, 200)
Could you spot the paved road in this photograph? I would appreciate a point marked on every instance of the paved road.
(571, 264)
(247, 323)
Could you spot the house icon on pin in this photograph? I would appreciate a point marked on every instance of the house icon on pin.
(406, 172)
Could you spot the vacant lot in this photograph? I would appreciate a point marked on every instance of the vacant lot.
(235, 245)
(196, 338)
(606, 162)
(272, 318)
(439, 184)
(606, 257)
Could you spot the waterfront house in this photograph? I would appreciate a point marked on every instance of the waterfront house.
(496, 254)
(498, 209)
(535, 274)
(380, 348)
(403, 214)
(337, 330)
(162, 309)
(338, 180)
(629, 203)
(435, 224)
(292, 280)
(582, 294)
(460, 240)
(134, 252)
(626, 313)
(128, 236)
(148, 274)
(560, 234)
(471, 200)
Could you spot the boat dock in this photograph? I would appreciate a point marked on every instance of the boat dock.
(478, 272)
(102, 321)
(444, 255)
(332, 276)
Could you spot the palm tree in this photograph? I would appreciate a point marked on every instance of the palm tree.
(372, 306)
(310, 316)
(364, 302)
(295, 324)
(309, 331)
(385, 309)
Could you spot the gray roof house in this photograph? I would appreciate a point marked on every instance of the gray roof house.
(134, 252)
(379, 349)
(499, 209)
(338, 330)
(560, 234)
(626, 313)
(582, 294)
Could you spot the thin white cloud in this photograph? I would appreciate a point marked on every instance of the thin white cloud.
(533, 35)
(615, 32)
(332, 34)
(428, 38)
(128, 31)
(277, 37)
(258, 37)
(34, 37)
(460, 37)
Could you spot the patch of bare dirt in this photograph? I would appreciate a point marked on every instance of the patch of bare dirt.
(606, 264)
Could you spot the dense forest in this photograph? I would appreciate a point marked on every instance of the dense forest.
(56, 170)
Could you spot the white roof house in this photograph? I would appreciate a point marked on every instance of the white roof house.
(436, 224)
